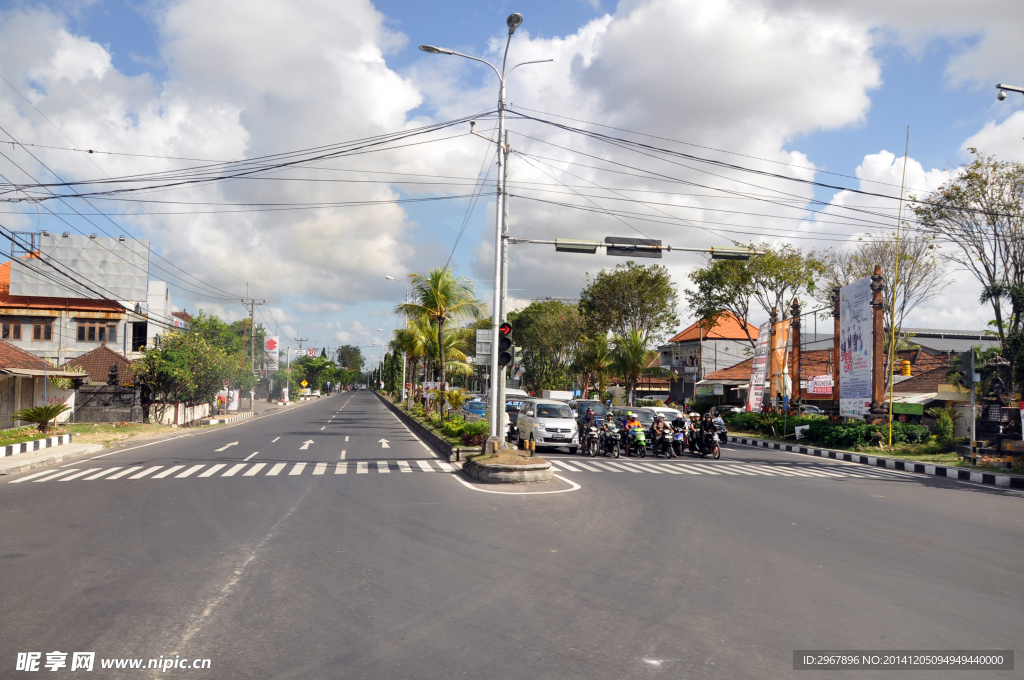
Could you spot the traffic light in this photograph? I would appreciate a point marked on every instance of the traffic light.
(504, 344)
(965, 376)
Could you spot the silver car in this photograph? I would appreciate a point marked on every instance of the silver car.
(547, 422)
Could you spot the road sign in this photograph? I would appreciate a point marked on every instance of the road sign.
(303, 383)
(311, 352)
(627, 247)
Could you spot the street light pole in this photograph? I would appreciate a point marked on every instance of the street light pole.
(1003, 88)
(497, 405)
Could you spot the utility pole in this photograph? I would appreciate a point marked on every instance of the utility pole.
(251, 305)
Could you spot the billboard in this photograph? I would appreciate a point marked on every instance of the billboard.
(759, 368)
(820, 385)
(117, 270)
(855, 348)
(272, 348)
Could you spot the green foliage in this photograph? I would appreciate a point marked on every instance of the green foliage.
(702, 406)
(649, 402)
(350, 357)
(41, 415)
(766, 421)
(630, 357)
(631, 298)
(314, 370)
(943, 429)
(66, 383)
(937, 412)
(185, 368)
(550, 335)
(831, 435)
(454, 427)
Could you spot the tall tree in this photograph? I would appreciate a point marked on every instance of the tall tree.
(629, 358)
(350, 356)
(722, 286)
(980, 213)
(631, 298)
(442, 297)
(550, 336)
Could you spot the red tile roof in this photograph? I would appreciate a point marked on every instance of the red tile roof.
(184, 316)
(26, 302)
(15, 357)
(727, 327)
(97, 365)
(818, 362)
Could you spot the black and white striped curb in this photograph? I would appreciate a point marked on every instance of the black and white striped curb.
(34, 445)
(990, 478)
(217, 420)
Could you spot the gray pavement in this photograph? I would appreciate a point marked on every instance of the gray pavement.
(369, 559)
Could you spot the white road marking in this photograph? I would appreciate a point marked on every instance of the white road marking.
(226, 447)
(34, 474)
(627, 468)
(341, 468)
(685, 468)
(169, 471)
(648, 467)
(213, 469)
(79, 474)
(342, 456)
(55, 476)
(305, 445)
(100, 474)
(554, 469)
(382, 466)
(567, 466)
(793, 471)
(320, 468)
(346, 437)
(607, 468)
(361, 468)
(190, 471)
(404, 466)
(274, 440)
(425, 466)
(751, 469)
(588, 467)
(276, 469)
(147, 471)
(234, 470)
(251, 472)
(323, 428)
(127, 472)
(383, 443)
(251, 455)
(725, 471)
(297, 469)
(445, 466)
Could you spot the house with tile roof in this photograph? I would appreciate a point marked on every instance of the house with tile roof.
(99, 363)
(24, 383)
(702, 348)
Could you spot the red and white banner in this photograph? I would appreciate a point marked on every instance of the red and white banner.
(758, 368)
(819, 384)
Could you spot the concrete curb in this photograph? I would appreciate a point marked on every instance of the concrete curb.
(58, 457)
(35, 445)
(961, 474)
(432, 440)
(508, 474)
(219, 420)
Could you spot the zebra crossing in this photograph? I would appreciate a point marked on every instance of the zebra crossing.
(724, 469)
(205, 470)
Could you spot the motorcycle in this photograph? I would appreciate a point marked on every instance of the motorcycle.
(662, 444)
(709, 445)
(610, 442)
(636, 440)
(590, 440)
(678, 440)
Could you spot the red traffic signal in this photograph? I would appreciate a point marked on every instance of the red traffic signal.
(504, 329)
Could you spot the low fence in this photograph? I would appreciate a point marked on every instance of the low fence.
(422, 431)
(165, 413)
(107, 404)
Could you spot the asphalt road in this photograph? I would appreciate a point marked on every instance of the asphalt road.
(359, 558)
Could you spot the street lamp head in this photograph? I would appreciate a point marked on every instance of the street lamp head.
(435, 50)
(1002, 95)
(389, 278)
(513, 22)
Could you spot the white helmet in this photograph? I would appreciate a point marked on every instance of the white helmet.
(694, 414)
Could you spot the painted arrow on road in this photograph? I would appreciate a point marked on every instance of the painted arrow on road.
(223, 448)
(305, 445)
(384, 443)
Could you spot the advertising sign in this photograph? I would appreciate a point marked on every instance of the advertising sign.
(758, 368)
(855, 348)
(780, 354)
(710, 390)
(272, 348)
(820, 384)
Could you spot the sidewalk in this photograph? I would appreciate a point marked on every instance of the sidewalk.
(935, 470)
(31, 460)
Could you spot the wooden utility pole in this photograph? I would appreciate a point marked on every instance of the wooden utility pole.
(877, 345)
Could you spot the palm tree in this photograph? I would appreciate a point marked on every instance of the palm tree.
(440, 296)
(596, 360)
(629, 358)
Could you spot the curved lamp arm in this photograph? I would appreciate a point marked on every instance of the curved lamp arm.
(443, 50)
(524, 63)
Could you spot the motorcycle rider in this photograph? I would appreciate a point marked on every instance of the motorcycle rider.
(719, 423)
(707, 428)
(607, 429)
(680, 424)
(659, 433)
(692, 429)
(589, 420)
(632, 423)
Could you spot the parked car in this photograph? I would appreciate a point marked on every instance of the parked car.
(474, 407)
(811, 410)
(547, 422)
(579, 408)
(669, 413)
(726, 409)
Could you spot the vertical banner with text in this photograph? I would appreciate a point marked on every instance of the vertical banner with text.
(780, 360)
(855, 343)
(758, 369)
(272, 348)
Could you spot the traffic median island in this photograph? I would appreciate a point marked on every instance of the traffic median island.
(507, 466)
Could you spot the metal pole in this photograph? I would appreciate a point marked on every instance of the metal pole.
(499, 227)
(504, 149)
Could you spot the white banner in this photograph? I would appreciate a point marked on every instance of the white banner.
(272, 347)
(855, 348)
(759, 368)
(819, 384)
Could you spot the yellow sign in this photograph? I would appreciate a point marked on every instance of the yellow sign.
(303, 383)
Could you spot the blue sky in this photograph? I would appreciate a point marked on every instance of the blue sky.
(882, 68)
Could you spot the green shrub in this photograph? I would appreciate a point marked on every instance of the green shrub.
(943, 429)
(476, 428)
(744, 420)
(454, 427)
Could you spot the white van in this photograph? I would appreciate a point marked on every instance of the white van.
(547, 422)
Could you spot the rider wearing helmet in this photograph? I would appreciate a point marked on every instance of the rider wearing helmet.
(658, 432)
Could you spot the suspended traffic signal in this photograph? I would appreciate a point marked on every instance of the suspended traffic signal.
(504, 344)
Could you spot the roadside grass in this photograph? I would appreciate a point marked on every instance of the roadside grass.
(927, 452)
